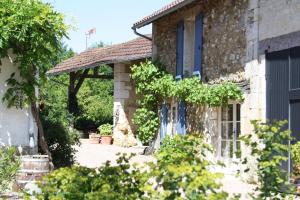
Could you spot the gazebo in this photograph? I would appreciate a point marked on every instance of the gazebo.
(119, 57)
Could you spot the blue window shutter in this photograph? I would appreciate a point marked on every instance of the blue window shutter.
(181, 119)
(163, 121)
(179, 49)
(198, 45)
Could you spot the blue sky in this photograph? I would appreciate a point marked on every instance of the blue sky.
(113, 19)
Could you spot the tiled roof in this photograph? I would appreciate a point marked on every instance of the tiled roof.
(175, 5)
(136, 49)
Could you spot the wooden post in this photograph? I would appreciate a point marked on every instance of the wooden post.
(72, 99)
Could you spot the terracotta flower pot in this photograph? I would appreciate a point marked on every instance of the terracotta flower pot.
(106, 139)
(94, 138)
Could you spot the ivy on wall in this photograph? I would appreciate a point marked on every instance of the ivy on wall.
(155, 85)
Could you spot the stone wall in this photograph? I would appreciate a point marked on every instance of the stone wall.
(224, 45)
(124, 106)
(224, 51)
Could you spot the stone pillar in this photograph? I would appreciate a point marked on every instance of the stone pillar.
(122, 133)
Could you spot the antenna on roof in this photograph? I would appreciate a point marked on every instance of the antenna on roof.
(88, 35)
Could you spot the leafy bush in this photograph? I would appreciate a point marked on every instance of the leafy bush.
(147, 122)
(9, 164)
(95, 100)
(105, 129)
(108, 182)
(270, 149)
(296, 158)
(61, 141)
(181, 172)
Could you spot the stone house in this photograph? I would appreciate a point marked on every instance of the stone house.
(254, 43)
(17, 125)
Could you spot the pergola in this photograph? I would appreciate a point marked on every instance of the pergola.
(86, 64)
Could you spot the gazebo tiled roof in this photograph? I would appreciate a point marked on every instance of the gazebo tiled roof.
(139, 48)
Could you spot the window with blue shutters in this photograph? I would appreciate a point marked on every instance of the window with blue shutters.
(198, 46)
(179, 49)
(181, 119)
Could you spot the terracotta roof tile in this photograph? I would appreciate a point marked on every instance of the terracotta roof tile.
(136, 49)
(162, 12)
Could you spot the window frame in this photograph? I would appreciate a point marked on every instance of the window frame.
(235, 139)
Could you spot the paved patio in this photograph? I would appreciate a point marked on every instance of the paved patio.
(95, 155)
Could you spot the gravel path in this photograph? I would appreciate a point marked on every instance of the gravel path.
(95, 155)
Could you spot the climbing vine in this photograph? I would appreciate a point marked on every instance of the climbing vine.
(155, 85)
(30, 35)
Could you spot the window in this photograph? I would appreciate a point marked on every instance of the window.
(189, 47)
(229, 132)
(189, 39)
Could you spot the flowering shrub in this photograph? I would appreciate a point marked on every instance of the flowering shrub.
(181, 172)
(270, 149)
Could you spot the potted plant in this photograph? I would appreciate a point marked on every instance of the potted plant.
(94, 138)
(106, 133)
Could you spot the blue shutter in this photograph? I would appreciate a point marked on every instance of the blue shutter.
(181, 119)
(163, 121)
(198, 45)
(179, 49)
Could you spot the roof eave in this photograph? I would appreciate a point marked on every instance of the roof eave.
(160, 15)
(90, 66)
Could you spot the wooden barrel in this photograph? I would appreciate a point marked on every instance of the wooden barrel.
(32, 169)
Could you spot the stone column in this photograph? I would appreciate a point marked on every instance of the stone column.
(122, 133)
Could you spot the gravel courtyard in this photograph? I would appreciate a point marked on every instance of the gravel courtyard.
(95, 155)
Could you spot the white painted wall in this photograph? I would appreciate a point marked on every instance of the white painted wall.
(278, 17)
(15, 124)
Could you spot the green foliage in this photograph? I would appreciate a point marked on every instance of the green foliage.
(295, 151)
(181, 172)
(33, 31)
(147, 122)
(155, 85)
(108, 182)
(270, 149)
(105, 129)
(95, 100)
(67, 183)
(56, 120)
(9, 164)
(61, 140)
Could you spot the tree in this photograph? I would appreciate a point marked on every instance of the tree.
(33, 31)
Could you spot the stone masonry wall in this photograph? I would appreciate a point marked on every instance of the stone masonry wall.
(224, 45)
(124, 106)
(224, 51)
